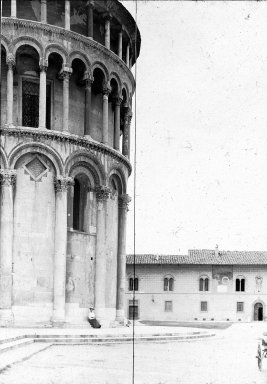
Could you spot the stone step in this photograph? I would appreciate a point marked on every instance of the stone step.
(118, 339)
(10, 344)
(18, 355)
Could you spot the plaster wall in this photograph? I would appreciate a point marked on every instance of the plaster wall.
(186, 297)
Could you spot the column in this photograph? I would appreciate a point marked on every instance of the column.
(121, 265)
(120, 45)
(67, 14)
(13, 8)
(7, 180)
(126, 133)
(61, 187)
(106, 91)
(107, 31)
(42, 94)
(65, 74)
(117, 130)
(88, 98)
(43, 11)
(102, 194)
(11, 64)
(90, 19)
(128, 55)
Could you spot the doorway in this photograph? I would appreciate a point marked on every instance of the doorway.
(258, 312)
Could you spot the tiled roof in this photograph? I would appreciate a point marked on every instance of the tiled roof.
(204, 256)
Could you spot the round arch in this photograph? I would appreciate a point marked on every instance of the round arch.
(125, 87)
(114, 76)
(26, 40)
(102, 67)
(47, 151)
(3, 159)
(5, 43)
(89, 161)
(55, 48)
(253, 308)
(119, 173)
(82, 56)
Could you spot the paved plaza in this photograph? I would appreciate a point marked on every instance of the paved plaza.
(229, 358)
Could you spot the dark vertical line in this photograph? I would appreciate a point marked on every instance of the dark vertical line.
(0, 63)
(135, 146)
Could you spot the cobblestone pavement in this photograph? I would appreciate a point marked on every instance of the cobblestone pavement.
(228, 358)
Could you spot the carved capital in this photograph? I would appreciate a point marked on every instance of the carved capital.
(124, 201)
(88, 78)
(117, 100)
(90, 3)
(43, 65)
(7, 177)
(10, 61)
(106, 89)
(65, 73)
(102, 193)
(63, 183)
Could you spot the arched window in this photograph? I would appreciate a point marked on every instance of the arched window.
(80, 196)
(133, 284)
(240, 284)
(168, 283)
(204, 283)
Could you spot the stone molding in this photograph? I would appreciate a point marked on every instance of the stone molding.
(39, 135)
(102, 193)
(7, 177)
(63, 183)
(124, 201)
(75, 38)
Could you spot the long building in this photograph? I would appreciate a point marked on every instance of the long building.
(66, 96)
(205, 285)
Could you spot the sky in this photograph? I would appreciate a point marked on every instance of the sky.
(201, 127)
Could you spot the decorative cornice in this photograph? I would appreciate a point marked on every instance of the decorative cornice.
(7, 177)
(63, 183)
(68, 35)
(102, 193)
(38, 135)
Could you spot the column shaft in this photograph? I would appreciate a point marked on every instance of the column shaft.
(42, 97)
(126, 134)
(121, 265)
(88, 100)
(106, 92)
(67, 14)
(117, 124)
(13, 8)
(11, 64)
(43, 11)
(6, 246)
(90, 20)
(128, 55)
(107, 33)
(65, 75)
(120, 45)
(60, 249)
(102, 194)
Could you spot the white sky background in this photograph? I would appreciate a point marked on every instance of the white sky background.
(201, 127)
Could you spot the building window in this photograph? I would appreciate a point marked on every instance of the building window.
(168, 306)
(240, 306)
(133, 284)
(168, 284)
(204, 306)
(30, 104)
(204, 283)
(133, 310)
(240, 284)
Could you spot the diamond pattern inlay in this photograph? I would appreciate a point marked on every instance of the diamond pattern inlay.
(35, 167)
